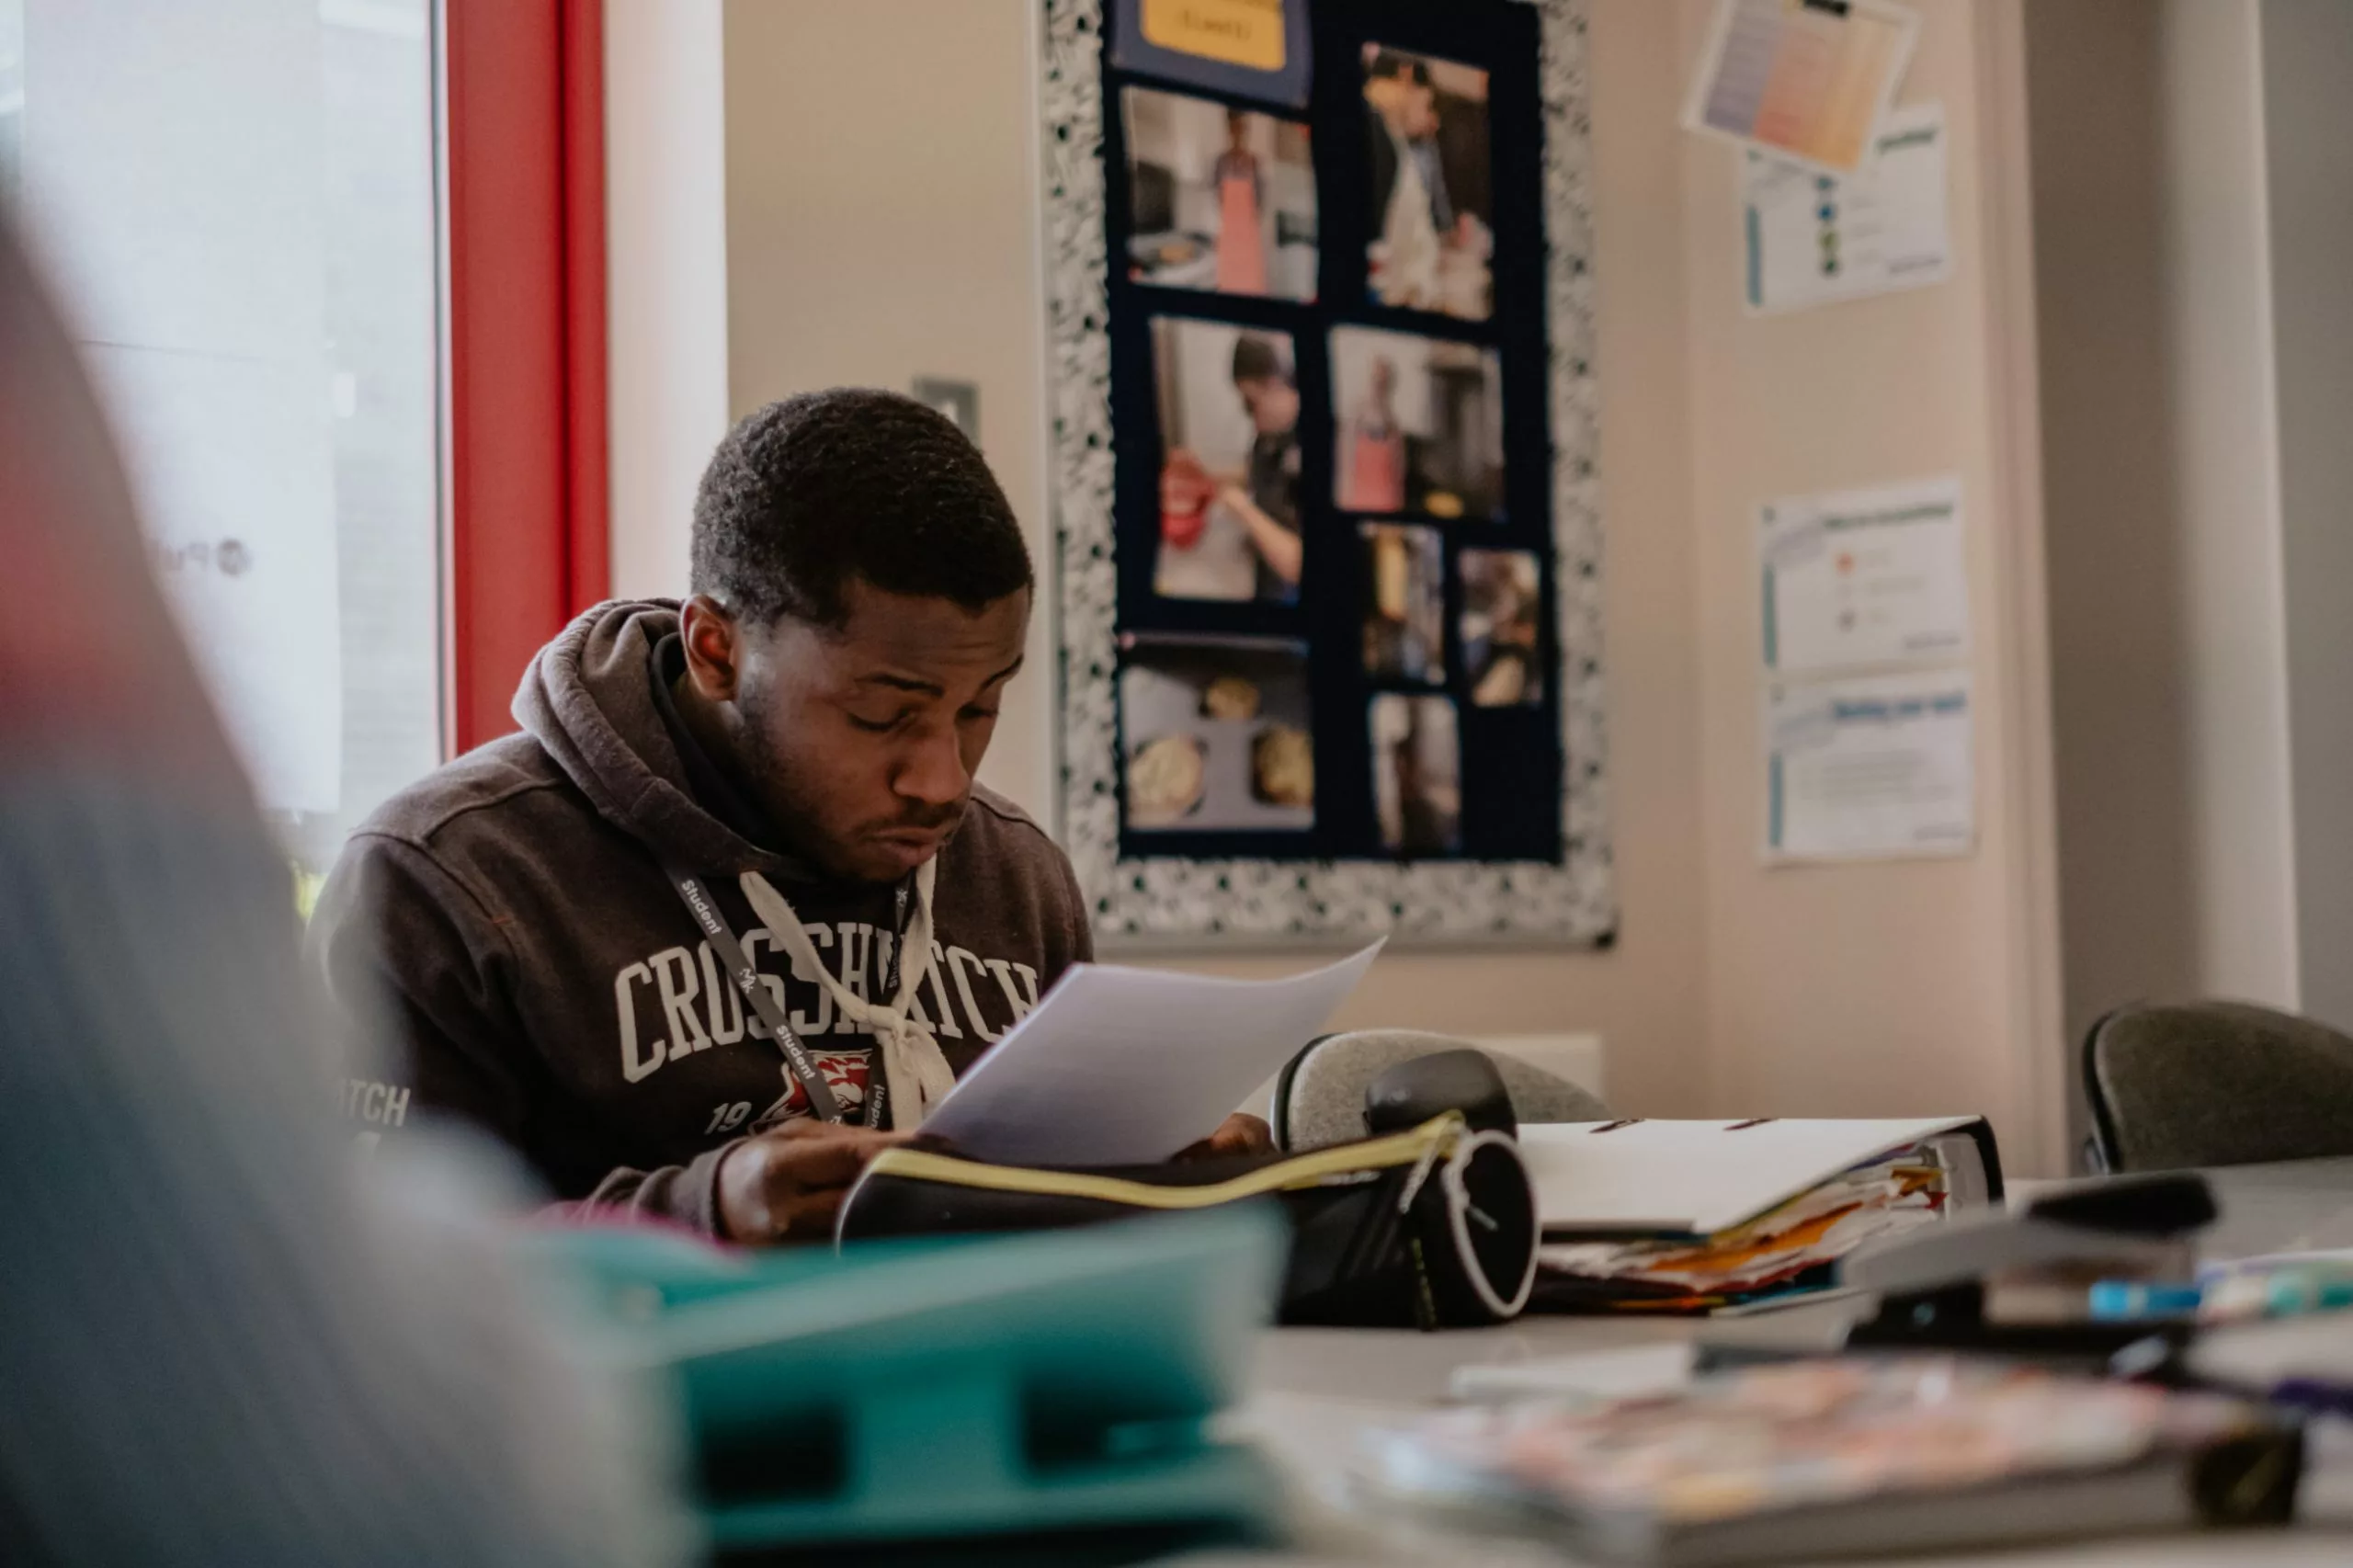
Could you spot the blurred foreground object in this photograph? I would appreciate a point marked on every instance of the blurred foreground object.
(218, 1345)
(1043, 1395)
(1812, 1459)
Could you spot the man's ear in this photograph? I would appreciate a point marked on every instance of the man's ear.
(714, 648)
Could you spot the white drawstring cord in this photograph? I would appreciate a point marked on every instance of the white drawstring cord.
(916, 1075)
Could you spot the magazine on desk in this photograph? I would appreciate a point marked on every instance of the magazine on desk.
(1704, 1216)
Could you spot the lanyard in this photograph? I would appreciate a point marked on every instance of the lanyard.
(765, 1016)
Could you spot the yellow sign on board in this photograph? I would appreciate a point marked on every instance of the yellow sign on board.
(1233, 32)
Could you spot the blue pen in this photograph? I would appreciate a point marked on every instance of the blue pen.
(2126, 1300)
(2294, 1293)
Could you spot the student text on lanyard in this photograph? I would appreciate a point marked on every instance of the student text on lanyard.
(766, 1017)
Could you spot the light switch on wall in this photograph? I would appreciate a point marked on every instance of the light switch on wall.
(959, 401)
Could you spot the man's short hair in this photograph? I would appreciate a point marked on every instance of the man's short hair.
(1255, 359)
(806, 495)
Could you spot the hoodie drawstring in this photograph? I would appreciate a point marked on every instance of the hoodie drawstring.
(914, 1073)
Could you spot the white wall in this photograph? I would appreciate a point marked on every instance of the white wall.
(882, 173)
(2168, 659)
(2193, 161)
(2307, 48)
(666, 224)
(2221, 440)
(1876, 988)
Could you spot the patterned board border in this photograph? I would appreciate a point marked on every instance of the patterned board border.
(1140, 902)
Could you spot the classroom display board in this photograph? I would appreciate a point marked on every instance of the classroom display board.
(1329, 552)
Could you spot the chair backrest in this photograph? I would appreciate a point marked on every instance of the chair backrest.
(2216, 1084)
(1319, 1099)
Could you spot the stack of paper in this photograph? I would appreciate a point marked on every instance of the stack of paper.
(1775, 1251)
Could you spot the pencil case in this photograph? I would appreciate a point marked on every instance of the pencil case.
(1433, 1227)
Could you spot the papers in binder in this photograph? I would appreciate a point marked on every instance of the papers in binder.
(1694, 1216)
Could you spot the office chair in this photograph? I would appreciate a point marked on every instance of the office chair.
(1320, 1096)
(2215, 1084)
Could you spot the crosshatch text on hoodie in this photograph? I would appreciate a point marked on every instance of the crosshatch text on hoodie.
(669, 1004)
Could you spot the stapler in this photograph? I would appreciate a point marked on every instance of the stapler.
(2016, 1281)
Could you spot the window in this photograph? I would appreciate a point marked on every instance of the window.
(12, 94)
(235, 203)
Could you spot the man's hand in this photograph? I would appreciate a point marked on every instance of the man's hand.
(1237, 1134)
(787, 1185)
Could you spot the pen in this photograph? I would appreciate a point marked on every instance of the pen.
(2279, 1292)
(2124, 1301)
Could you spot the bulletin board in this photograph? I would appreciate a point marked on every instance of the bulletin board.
(1329, 548)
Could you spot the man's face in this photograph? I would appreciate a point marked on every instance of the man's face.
(1387, 95)
(862, 741)
(1273, 404)
(1420, 113)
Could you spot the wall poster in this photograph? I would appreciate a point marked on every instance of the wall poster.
(1327, 533)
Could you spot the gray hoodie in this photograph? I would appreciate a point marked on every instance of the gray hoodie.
(549, 984)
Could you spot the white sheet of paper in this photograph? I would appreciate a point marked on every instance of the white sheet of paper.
(1809, 82)
(1870, 766)
(1813, 238)
(1864, 578)
(1698, 1176)
(1126, 1066)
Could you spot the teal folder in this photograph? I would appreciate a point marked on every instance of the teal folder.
(954, 1389)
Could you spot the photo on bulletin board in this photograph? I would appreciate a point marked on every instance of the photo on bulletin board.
(1219, 735)
(1501, 641)
(1286, 710)
(1228, 404)
(1254, 49)
(1433, 218)
(1417, 776)
(1417, 424)
(1405, 610)
(1218, 199)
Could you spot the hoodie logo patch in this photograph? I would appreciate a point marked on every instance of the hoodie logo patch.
(670, 1005)
(845, 1074)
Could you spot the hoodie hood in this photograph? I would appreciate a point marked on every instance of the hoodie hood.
(588, 698)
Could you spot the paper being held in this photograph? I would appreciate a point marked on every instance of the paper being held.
(1127, 1066)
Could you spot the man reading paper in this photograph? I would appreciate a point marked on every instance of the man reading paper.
(731, 907)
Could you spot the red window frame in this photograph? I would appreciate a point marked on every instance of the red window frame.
(523, 138)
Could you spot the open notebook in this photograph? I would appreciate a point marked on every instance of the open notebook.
(1698, 1216)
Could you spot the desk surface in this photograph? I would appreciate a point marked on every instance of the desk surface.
(1314, 1389)
(2305, 1204)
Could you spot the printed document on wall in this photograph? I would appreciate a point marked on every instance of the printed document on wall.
(1812, 238)
(1809, 82)
(1870, 766)
(1864, 578)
